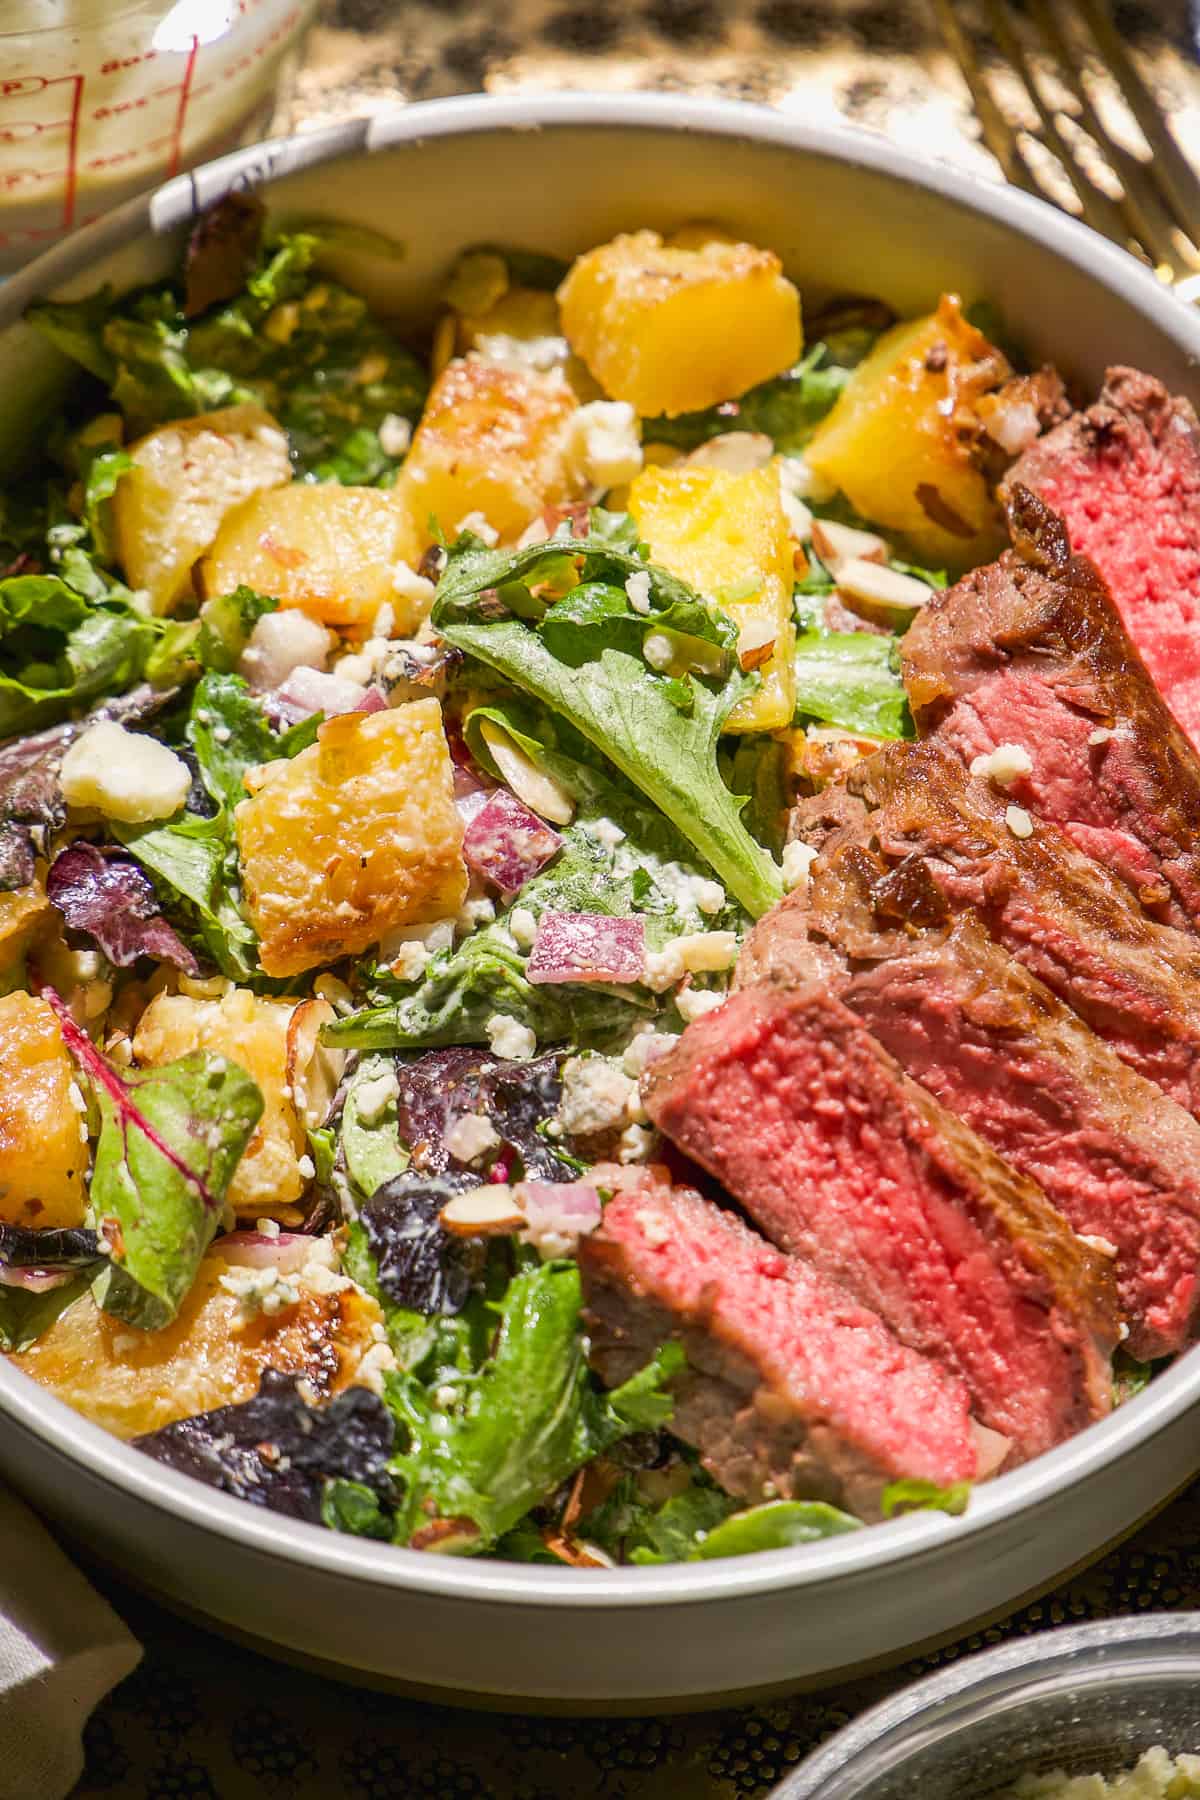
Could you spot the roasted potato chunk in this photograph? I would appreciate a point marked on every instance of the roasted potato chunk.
(726, 535)
(357, 834)
(332, 551)
(672, 328)
(210, 1355)
(186, 477)
(902, 442)
(22, 911)
(492, 440)
(251, 1032)
(43, 1154)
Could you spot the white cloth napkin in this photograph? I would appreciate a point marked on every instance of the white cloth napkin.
(61, 1649)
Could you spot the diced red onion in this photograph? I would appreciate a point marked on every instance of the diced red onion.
(507, 844)
(34, 1281)
(991, 1448)
(308, 691)
(255, 1250)
(587, 947)
(570, 1207)
(374, 700)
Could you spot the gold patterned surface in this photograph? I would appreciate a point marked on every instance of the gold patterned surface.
(206, 1720)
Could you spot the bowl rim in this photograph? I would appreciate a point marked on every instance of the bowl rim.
(1000, 1676)
(906, 1540)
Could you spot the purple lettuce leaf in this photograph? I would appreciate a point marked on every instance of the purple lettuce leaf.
(107, 896)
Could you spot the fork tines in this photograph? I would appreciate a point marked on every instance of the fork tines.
(1067, 115)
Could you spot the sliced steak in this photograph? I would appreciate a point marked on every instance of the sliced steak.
(1125, 475)
(792, 1388)
(1118, 1159)
(785, 1095)
(1078, 928)
(1030, 651)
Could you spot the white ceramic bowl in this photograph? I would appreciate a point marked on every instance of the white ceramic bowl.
(846, 212)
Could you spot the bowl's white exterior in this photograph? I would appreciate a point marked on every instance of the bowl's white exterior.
(846, 212)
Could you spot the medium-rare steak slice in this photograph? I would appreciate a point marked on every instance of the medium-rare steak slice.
(1118, 1158)
(792, 1388)
(1125, 475)
(840, 1157)
(949, 845)
(1030, 651)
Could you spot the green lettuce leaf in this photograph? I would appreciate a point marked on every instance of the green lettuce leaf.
(852, 679)
(58, 651)
(912, 1495)
(230, 733)
(371, 1152)
(775, 1525)
(25, 1317)
(352, 1507)
(585, 666)
(520, 1423)
(225, 626)
(787, 409)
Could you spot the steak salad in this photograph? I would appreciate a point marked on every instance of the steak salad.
(598, 913)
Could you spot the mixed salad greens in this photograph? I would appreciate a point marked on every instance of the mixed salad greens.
(213, 1189)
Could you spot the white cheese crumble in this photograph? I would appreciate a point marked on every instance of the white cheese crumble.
(380, 1360)
(635, 1144)
(693, 1003)
(696, 953)
(1018, 821)
(1003, 765)
(595, 1095)
(541, 353)
(603, 445)
(409, 584)
(471, 1137)
(306, 1168)
(510, 1039)
(267, 1227)
(372, 1098)
(643, 1048)
(798, 859)
(606, 831)
(280, 642)
(260, 1291)
(123, 775)
(483, 528)
(410, 962)
(394, 434)
(429, 939)
(523, 925)
(479, 910)
(658, 650)
(637, 586)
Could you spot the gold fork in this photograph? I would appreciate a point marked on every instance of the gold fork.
(1148, 202)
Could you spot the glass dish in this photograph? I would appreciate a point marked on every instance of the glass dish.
(1085, 1699)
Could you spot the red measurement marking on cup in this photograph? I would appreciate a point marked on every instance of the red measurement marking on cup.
(185, 88)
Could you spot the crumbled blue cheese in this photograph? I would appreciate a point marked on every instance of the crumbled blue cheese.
(606, 831)
(693, 1003)
(637, 587)
(643, 1048)
(1003, 765)
(541, 353)
(471, 1137)
(394, 434)
(658, 650)
(482, 527)
(798, 859)
(123, 775)
(510, 1039)
(603, 446)
(258, 1291)
(280, 642)
(522, 923)
(595, 1095)
(411, 585)
(372, 1098)
(635, 1144)
(1018, 821)
(378, 1361)
(696, 953)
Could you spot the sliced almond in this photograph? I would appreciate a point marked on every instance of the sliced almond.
(737, 451)
(756, 644)
(837, 544)
(483, 1211)
(540, 792)
(313, 1068)
(448, 1537)
(881, 593)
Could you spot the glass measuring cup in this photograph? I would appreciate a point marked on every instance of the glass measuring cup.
(100, 100)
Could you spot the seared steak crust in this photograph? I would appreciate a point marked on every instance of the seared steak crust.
(791, 1387)
(785, 1096)
(1118, 1158)
(1067, 919)
(1125, 475)
(1031, 650)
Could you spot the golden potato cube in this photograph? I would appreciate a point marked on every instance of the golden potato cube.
(210, 1354)
(22, 911)
(43, 1156)
(357, 834)
(900, 443)
(726, 535)
(186, 477)
(331, 551)
(251, 1032)
(492, 440)
(674, 329)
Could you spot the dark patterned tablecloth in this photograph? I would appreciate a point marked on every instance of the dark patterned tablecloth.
(204, 1719)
